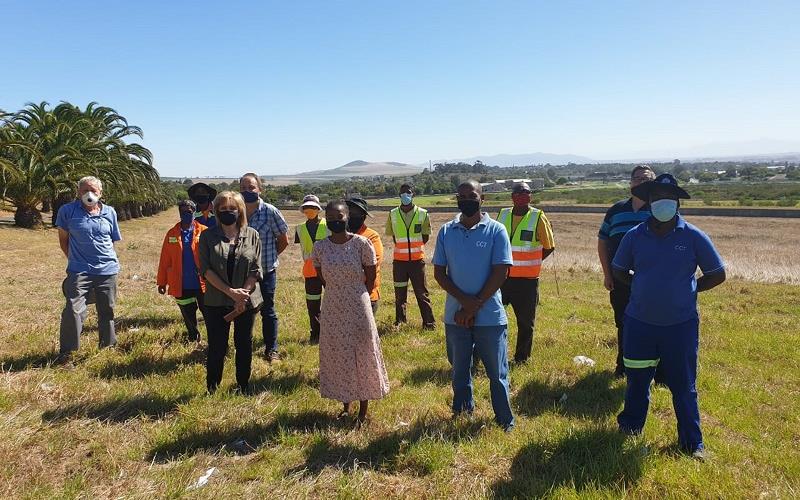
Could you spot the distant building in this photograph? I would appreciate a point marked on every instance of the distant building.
(503, 185)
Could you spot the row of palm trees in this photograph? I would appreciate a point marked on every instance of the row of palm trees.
(44, 150)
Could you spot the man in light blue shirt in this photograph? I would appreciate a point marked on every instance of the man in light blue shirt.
(471, 262)
(87, 230)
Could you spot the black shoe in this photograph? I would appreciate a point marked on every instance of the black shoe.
(271, 356)
(429, 327)
(244, 390)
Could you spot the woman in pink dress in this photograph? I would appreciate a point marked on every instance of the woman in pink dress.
(350, 360)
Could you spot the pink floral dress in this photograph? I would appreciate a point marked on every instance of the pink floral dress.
(351, 364)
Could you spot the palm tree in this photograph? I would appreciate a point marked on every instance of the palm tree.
(43, 152)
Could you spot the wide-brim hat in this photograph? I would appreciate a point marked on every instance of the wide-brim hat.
(310, 200)
(663, 181)
(358, 202)
(194, 187)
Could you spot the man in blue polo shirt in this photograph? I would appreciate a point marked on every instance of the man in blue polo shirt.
(619, 219)
(87, 230)
(661, 320)
(471, 261)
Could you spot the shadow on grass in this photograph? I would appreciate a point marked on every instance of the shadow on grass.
(27, 361)
(392, 452)
(590, 397)
(143, 365)
(283, 384)
(593, 459)
(119, 409)
(420, 376)
(241, 440)
(123, 324)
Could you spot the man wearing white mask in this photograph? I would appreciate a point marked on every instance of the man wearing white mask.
(661, 320)
(410, 227)
(87, 230)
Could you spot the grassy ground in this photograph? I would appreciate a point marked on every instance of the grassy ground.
(135, 422)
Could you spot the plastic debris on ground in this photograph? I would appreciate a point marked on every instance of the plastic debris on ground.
(583, 361)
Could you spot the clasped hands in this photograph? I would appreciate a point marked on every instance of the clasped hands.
(465, 316)
(240, 297)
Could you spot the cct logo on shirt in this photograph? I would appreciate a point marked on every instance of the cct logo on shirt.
(680, 248)
(481, 244)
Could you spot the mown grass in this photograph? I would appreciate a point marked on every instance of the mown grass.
(135, 421)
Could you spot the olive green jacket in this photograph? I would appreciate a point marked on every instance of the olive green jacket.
(213, 252)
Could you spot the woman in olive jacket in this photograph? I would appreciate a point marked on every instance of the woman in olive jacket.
(230, 262)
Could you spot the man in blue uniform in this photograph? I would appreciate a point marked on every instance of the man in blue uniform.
(661, 320)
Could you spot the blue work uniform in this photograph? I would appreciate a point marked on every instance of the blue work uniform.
(661, 322)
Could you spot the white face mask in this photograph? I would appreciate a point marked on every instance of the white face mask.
(664, 210)
(90, 199)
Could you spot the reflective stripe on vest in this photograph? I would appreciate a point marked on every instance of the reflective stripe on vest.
(408, 241)
(527, 255)
(307, 245)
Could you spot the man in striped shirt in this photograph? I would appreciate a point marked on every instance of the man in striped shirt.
(619, 219)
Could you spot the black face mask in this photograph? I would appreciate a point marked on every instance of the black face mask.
(469, 207)
(337, 226)
(249, 196)
(355, 223)
(201, 201)
(228, 217)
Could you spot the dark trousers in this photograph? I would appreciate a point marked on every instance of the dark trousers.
(374, 304)
(620, 296)
(218, 332)
(77, 288)
(269, 318)
(413, 271)
(313, 303)
(188, 303)
(673, 349)
(523, 295)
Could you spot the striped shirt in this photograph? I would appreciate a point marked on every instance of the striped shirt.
(620, 219)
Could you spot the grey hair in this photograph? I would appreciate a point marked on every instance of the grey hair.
(89, 179)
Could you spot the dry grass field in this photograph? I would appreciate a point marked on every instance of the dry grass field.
(135, 422)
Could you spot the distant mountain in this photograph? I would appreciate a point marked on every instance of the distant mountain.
(510, 160)
(357, 168)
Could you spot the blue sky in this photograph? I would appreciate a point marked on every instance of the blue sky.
(280, 87)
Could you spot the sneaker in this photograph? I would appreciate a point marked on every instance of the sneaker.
(700, 454)
(508, 428)
(272, 356)
(429, 327)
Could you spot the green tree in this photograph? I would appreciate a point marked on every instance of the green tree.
(46, 150)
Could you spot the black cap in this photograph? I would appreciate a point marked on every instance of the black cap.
(212, 193)
(358, 202)
(663, 181)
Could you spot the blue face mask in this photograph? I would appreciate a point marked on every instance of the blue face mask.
(405, 198)
(187, 217)
(249, 196)
(664, 210)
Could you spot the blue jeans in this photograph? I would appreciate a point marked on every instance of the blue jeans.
(674, 350)
(491, 344)
(269, 318)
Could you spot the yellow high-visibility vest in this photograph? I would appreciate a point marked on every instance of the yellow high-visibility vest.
(307, 245)
(526, 249)
(408, 239)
